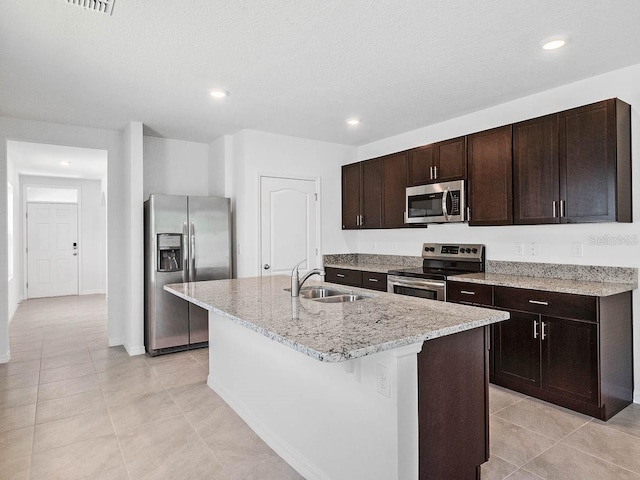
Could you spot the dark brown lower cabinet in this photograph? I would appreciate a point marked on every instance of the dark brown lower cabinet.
(453, 406)
(357, 278)
(583, 363)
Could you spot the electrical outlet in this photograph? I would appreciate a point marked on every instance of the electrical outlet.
(394, 246)
(532, 249)
(519, 248)
(577, 249)
(382, 380)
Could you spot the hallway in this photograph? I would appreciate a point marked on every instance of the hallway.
(72, 408)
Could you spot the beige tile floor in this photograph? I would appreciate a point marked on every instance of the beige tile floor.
(72, 408)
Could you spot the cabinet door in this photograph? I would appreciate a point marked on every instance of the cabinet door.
(490, 173)
(394, 186)
(351, 180)
(420, 163)
(451, 160)
(588, 163)
(536, 183)
(516, 349)
(570, 358)
(371, 194)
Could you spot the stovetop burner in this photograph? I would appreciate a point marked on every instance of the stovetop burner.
(443, 260)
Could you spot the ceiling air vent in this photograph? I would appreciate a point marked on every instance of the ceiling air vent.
(102, 6)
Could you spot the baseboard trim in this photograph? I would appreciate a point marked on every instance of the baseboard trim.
(292, 456)
(636, 397)
(93, 292)
(5, 358)
(135, 350)
(115, 342)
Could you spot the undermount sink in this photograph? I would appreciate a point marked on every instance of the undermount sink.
(340, 298)
(328, 295)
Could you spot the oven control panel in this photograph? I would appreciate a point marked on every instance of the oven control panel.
(464, 251)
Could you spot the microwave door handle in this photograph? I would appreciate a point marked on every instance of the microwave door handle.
(445, 213)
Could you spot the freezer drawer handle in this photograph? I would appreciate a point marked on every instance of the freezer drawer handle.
(467, 292)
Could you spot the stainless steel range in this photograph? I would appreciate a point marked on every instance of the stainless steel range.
(440, 261)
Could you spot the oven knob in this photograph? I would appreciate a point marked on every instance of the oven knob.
(432, 249)
(475, 250)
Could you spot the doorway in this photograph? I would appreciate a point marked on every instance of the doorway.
(52, 249)
(289, 224)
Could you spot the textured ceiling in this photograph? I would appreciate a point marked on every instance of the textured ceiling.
(42, 159)
(297, 67)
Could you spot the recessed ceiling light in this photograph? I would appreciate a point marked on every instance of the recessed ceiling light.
(219, 93)
(353, 121)
(64, 163)
(554, 44)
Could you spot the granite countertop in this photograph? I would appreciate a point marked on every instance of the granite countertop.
(577, 287)
(365, 267)
(333, 332)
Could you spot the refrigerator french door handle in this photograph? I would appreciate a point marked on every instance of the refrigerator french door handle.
(185, 253)
(192, 253)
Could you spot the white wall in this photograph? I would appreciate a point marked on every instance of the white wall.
(220, 153)
(175, 167)
(118, 243)
(555, 240)
(259, 153)
(134, 215)
(15, 284)
(93, 230)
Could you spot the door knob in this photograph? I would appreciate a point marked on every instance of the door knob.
(266, 266)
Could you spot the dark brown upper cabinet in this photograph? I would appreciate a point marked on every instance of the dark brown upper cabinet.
(595, 163)
(351, 187)
(439, 162)
(371, 212)
(536, 174)
(574, 166)
(373, 193)
(394, 185)
(490, 175)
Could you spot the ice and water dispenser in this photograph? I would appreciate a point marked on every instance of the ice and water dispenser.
(169, 252)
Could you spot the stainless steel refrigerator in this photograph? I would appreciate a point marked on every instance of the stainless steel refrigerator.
(187, 239)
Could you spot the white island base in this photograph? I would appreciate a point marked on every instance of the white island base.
(356, 419)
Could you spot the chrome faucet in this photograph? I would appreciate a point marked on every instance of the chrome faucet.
(296, 283)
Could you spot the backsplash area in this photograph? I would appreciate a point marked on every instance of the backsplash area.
(585, 273)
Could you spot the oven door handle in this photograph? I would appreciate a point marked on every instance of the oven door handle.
(403, 282)
(445, 213)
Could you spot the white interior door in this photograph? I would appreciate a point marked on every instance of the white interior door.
(289, 229)
(52, 253)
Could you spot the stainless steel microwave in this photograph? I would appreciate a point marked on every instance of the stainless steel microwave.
(436, 203)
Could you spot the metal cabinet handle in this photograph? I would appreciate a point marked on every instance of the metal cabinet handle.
(555, 209)
(535, 329)
(467, 292)
(562, 209)
(340, 275)
(431, 173)
(538, 302)
(435, 172)
(266, 266)
(544, 335)
(373, 279)
(361, 220)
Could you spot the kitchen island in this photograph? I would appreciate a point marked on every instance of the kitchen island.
(386, 387)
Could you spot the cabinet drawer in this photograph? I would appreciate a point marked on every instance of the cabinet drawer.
(344, 276)
(374, 281)
(472, 293)
(564, 305)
